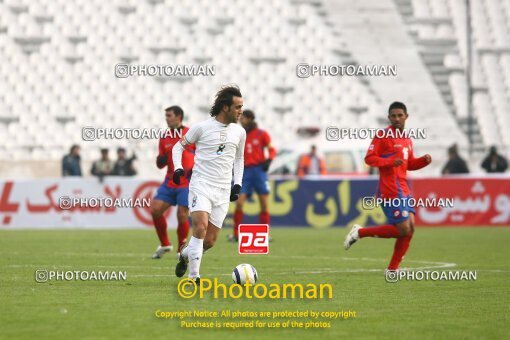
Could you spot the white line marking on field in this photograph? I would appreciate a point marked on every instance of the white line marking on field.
(146, 256)
(493, 270)
(57, 266)
(433, 265)
(298, 257)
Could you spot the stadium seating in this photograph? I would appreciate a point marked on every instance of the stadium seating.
(59, 58)
(439, 21)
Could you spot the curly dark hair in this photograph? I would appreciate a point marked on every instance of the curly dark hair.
(224, 97)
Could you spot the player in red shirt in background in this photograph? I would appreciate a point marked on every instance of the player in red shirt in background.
(170, 193)
(255, 170)
(393, 157)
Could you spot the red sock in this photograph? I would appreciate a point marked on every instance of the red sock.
(401, 246)
(160, 225)
(383, 231)
(238, 219)
(264, 217)
(182, 233)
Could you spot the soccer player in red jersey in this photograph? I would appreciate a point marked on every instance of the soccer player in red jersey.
(393, 157)
(170, 193)
(255, 170)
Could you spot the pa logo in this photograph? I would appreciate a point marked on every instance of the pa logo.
(253, 239)
(405, 213)
(396, 213)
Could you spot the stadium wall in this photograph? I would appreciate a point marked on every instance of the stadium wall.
(476, 201)
(115, 202)
(318, 203)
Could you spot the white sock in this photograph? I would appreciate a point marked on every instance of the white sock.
(195, 250)
(185, 252)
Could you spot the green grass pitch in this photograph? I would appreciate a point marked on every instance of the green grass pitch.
(126, 309)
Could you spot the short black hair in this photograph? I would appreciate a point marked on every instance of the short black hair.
(452, 150)
(224, 97)
(74, 147)
(177, 110)
(397, 105)
(249, 114)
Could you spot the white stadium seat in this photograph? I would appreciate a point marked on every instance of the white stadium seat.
(64, 75)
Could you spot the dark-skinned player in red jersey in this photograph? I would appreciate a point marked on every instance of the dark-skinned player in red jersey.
(256, 166)
(393, 157)
(170, 193)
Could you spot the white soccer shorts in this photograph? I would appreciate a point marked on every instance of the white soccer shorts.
(211, 199)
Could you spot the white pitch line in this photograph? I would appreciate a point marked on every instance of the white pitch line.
(493, 270)
(434, 265)
(431, 265)
(148, 254)
(54, 266)
(299, 257)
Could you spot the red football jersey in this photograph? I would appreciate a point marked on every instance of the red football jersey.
(256, 141)
(165, 148)
(381, 154)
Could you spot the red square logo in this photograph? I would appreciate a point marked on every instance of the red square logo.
(253, 239)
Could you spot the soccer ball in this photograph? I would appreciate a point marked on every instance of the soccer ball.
(245, 273)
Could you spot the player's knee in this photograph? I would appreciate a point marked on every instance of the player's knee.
(182, 215)
(200, 227)
(156, 211)
(209, 243)
(405, 230)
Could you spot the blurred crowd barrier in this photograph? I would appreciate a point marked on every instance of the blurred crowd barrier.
(115, 202)
(313, 202)
(323, 203)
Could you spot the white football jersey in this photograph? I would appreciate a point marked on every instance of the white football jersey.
(217, 147)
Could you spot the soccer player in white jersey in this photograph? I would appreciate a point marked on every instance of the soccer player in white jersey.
(219, 143)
